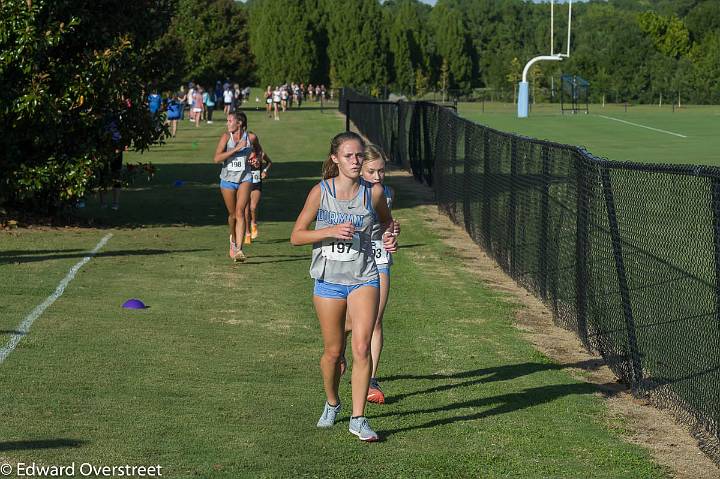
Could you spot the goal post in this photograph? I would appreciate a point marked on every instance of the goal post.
(523, 89)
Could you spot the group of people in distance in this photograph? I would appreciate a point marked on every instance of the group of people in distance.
(352, 245)
(199, 101)
(282, 97)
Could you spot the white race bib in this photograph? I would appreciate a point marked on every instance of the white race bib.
(379, 253)
(342, 250)
(256, 176)
(237, 164)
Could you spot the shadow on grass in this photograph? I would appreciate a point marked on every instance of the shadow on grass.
(27, 257)
(188, 194)
(503, 404)
(40, 444)
(276, 259)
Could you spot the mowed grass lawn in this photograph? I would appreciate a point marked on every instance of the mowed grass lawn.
(607, 132)
(219, 377)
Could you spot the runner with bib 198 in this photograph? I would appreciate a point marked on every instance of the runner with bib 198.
(345, 208)
(238, 151)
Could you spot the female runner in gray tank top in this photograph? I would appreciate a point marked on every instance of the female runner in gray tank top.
(237, 151)
(344, 208)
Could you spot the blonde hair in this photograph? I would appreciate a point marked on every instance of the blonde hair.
(373, 153)
(329, 167)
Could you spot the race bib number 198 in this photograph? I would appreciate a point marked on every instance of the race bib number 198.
(341, 250)
(237, 164)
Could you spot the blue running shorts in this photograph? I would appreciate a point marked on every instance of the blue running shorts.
(384, 269)
(324, 289)
(231, 185)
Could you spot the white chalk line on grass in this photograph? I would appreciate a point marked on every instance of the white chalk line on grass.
(24, 327)
(643, 126)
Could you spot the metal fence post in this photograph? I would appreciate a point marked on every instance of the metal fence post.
(486, 194)
(544, 220)
(715, 191)
(622, 280)
(582, 243)
(512, 207)
(347, 115)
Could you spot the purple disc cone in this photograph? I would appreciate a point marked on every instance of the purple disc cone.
(133, 304)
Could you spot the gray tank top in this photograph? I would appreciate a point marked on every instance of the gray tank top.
(346, 262)
(382, 258)
(236, 169)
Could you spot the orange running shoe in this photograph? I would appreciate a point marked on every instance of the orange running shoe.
(254, 231)
(248, 239)
(375, 394)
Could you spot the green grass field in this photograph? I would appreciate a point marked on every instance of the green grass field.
(603, 132)
(219, 377)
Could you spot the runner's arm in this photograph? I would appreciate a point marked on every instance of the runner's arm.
(302, 234)
(390, 226)
(220, 153)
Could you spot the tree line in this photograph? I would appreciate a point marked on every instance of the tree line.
(71, 68)
(629, 50)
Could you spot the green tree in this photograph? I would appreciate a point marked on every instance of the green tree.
(703, 19)
(283, 40)
(355, 47)
(421, 83)
(514, 76)
(408, 40)
(68, 72)
(444, 80)
(452, 44)
(705, 57)
(213, 36)
(669, 34)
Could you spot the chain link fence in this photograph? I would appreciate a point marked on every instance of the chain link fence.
(626, 255)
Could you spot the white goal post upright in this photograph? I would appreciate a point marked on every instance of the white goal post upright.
(523, 90)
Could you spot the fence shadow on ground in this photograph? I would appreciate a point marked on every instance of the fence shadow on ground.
(504, 403)
(40, 444)
(189, 195)
(29, 257)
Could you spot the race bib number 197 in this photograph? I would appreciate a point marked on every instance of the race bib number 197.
(341, 250)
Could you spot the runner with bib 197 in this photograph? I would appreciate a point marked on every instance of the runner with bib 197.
(345, 208)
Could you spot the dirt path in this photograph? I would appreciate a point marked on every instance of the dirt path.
(670, 443)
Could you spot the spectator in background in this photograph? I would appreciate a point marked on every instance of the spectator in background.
(237, 97)
(112, 171)
(227, 99)
(174, 113)
(182, 98)
(197, 105)
(269, 101)
(209, 103)
(154, 102)
(218, 94)
(189, 99)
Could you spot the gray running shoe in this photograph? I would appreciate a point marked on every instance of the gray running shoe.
(360, 427)
(328, 415)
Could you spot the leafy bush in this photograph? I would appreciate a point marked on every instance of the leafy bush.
(69, 71)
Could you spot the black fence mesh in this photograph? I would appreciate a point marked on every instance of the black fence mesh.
(626, 255)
